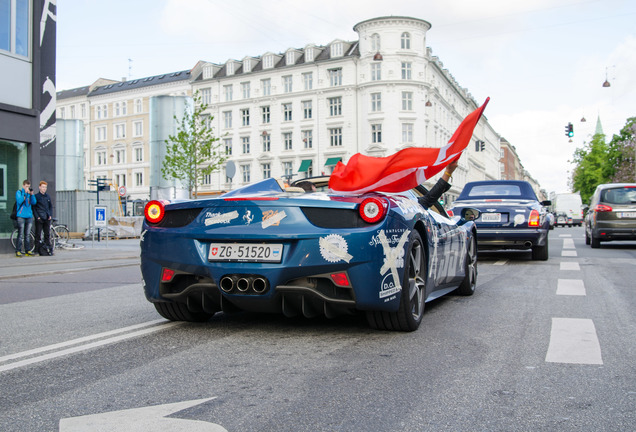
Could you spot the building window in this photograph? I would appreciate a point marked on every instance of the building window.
(230, 68)
(407, 101)
(120, 179)
(405, 41)
(62, 112)
(335, 137)
(335, 77)
(290, 60)
(139, 154)
(72, 111)
(308, 81)
(227, 91)
(138, 128)
(245, 88)
(139, 179)
(100, 157)
(247, 65)
(376, 133)
(83, 110)
(308, 138)
(120, 130)
(407, 132)
(267, 142)
(245, 117)
(266, 168)
(206, 96)
(376, 71)
(376, 102)
(207, 179)
(406, 70)
(15, 27)
(287, 112)
(266, 86)
(138, 106)
(265, 111)
(120, 109)
(227, 119)
(246, 144)
(375, 42)
(100, 133)
(287, 140)
(120, 156)
(245, 173)
(335, 106)
(307, 108)
(227, 142)
(309, 54)
(268, 62)
(287, 84)
(102, 111)
(336, 49)
(288, 169)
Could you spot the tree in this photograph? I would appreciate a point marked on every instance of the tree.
(193, 152)
(622, 154)
(590, 167)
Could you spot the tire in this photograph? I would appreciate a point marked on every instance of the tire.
(413, 295)
(180, 312)
(14, 239)
(467, 287)
(540, 253)
(595, 242)
(587, 237)
(62, 232)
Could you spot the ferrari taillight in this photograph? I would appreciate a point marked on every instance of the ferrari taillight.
(373, 209)
(155, 211)
(534, 218)
(602, 208)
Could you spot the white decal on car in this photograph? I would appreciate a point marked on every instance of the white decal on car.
(271, 217)
(393, 257)
(334, 248)
(388, 286)
(221, 218)
(519, 219)
(143, 234)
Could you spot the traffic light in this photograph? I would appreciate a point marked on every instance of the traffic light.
(569, 130)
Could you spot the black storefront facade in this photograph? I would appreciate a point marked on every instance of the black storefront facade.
(27, 102)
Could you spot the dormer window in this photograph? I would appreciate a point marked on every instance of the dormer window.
(375, 42)
(290, 58)
(230, 68)
(268, 62)
(336, 49)
(309, 54)
(247, 66)
(208, 72)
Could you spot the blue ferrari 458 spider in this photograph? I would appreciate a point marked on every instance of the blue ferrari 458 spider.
(268, 248)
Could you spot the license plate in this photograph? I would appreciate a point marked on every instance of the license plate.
(491, 217)
(626, 215)
(245, 252)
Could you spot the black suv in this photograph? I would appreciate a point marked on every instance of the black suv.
(612, 214)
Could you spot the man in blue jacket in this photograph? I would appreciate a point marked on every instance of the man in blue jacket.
(24, 199)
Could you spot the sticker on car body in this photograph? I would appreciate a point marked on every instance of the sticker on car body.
(334, 248)
(220, 218)
(272, 218)
(393, 257)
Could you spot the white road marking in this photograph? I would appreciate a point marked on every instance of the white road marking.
(568, 243)
(573, 341)
(152, 418)
(80, 348)
(569, 253)
(565, 235)
(569, 265)
(573, 287)
(501, 262)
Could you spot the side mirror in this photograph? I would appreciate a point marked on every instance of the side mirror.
(546, 203)
(469, 214)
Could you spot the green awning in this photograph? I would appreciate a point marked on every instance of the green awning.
(333, 161)
(304, 165)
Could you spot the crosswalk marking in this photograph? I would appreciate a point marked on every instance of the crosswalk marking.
(573, 340)
(565, 235)
(568, 243)
(501, 262)
(569, 253)
(573, 287)
(569, 265)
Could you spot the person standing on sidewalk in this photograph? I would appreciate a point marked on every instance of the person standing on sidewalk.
(24, 199)
(43, 213)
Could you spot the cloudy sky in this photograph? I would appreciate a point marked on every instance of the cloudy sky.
(542, 63)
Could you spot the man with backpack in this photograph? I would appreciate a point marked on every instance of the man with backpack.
(43, 213)
(24, 199)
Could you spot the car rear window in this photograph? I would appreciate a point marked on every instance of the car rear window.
(621, 195)
(495, 190)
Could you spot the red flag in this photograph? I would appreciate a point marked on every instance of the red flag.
(405, 169)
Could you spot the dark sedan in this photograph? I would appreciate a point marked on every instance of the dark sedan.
(511, 216)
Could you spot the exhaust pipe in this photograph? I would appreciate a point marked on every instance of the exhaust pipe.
(528, 244)
(227, 284)
(259, 285)
(243, 284)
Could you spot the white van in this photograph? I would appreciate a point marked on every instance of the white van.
(568, 209)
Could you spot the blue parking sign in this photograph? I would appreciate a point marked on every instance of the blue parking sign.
(100, 216)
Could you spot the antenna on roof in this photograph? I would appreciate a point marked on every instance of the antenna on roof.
(129, 68)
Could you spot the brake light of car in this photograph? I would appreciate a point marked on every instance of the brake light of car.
(450, 213)
(602, 208)
(373, 209)
(340, 279)
(167, 275)
(534, 218)
(155, 211)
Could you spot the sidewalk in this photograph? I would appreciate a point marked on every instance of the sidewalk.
(116, 253)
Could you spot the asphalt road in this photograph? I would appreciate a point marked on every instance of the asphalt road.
(541, 346)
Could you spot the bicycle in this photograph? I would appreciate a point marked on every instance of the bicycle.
(14, 240)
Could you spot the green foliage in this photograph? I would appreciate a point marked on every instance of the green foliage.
(598, 162)
(193, 152)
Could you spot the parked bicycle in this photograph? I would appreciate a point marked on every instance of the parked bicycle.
(60, 236)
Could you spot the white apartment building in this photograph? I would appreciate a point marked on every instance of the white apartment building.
(297, 113)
